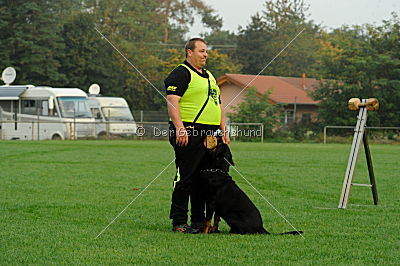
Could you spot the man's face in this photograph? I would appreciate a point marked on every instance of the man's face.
(198, 55)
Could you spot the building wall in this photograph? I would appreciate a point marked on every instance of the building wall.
(301, 110)
(229, 91)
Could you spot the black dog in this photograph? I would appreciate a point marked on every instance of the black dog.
(226, 200)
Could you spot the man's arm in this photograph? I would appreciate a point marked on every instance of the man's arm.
(225, 133)
(182, 138)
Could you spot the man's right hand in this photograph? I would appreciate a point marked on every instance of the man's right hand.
(182, 138)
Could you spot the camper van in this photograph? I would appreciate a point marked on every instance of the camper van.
(112, 114)
(37, 113)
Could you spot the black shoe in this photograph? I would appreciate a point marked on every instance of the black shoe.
(199, 226)
(185, 229)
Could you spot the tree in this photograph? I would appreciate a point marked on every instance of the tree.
(87, 58)
(220, 64)
(30, 41)
(257, 109)
(252, 45)
(178, 15)
(269, 32)
(361, 62)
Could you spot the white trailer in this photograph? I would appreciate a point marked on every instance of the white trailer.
(112, 114)
(38, 113)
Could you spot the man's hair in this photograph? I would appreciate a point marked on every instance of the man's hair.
(191, 44)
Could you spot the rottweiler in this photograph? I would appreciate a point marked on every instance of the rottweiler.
(225, 199)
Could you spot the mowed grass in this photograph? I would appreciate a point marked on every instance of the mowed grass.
(57, 196)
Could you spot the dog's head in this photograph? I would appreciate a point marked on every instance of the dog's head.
(220, 157)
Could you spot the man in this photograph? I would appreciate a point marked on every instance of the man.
(195, 110)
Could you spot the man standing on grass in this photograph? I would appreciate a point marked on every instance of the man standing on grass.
(194, 107)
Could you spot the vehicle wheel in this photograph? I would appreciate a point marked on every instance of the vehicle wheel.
(56, 137)
(102, 134)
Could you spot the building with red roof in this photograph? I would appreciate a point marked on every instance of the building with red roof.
(292, 93)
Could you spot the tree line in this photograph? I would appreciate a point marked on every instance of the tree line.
(56, 43)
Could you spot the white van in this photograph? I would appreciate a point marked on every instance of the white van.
(112, 114)
(37, 113)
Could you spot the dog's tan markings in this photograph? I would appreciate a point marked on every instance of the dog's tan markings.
(208, 225)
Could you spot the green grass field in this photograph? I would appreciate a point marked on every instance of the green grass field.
(57, 196)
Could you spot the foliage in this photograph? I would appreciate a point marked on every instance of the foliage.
(253, 49)
(256, 108)
(179, 15)
(55, 43)
(360, 62)
(282, 23)
(86, 59)
(30, 41)
(220, 63)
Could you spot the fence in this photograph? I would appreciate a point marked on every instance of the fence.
(369, 128)
(150, 116)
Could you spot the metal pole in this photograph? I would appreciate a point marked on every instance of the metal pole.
(351, 165)
(38, 125)
(74, 125)
(295, 109)
(108, 125)
(325, 135)
(15, 115)
(370, 168)
(262, 133)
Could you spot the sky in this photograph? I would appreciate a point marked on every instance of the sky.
(328, 13)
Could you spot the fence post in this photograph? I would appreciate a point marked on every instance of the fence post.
(262, 133)
(70, 125)
(108, 125)
(38, 126)
(74, 125)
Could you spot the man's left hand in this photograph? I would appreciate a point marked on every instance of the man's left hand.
(225, 138)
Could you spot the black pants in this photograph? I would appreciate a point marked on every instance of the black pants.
(189, 160)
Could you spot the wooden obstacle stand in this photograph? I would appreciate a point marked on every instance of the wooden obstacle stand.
(364, 106)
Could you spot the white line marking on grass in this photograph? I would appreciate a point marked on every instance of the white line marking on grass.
(287, 221)
(326, 208)
(130, 63)
(273, 59)
(102, 231)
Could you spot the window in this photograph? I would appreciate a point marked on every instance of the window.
(29, 107)
(74, 107)
(287, 117)
(306, 118)
(6, 105)
(37, 107)
(45, 108)
(117, 113)
(96, 113)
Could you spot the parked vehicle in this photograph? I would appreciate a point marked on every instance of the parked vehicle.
(37, 113)
(112, 114)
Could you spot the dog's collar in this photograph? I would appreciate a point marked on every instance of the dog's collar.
(214, 171)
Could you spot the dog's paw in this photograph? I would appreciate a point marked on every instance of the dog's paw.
(214, 230)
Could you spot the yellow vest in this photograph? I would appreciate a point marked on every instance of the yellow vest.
(195, 96)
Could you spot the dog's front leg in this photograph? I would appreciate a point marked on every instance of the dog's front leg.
(214, 229)
(208, 226)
